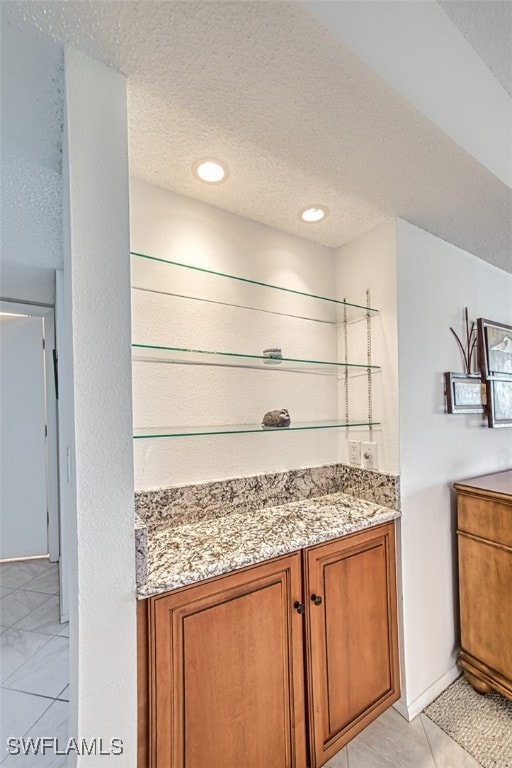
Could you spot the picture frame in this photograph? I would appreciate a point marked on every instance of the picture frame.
(499, 398)
(464, 393)
(494, 349)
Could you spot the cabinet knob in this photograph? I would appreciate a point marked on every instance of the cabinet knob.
(316, 599)
(299, 607)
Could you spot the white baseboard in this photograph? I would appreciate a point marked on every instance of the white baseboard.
(409, 711)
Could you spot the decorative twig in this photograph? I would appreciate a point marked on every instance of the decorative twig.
(464, 357)
(471, 339)
(473, 347)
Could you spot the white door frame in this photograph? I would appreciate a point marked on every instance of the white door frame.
(47, 314)
(66, 442)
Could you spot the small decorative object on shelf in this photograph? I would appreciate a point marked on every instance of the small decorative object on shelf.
(273, 356)
(277, 418)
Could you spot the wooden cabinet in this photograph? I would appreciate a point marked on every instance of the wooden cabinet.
(226, 662)
(484, 511)
(226, 658)
(352, 637)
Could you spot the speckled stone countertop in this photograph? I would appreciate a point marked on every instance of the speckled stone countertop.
(186, 553)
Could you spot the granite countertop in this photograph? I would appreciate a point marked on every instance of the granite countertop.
(181, 554)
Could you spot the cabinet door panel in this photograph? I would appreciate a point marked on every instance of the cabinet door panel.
(352, 643)
(228, 685)
(357, 644)
(485, 573)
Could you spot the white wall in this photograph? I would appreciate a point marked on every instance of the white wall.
(31, 184)
(370, 263)
(103, 695)
(435, 282)
(170, 226)
(421, 285)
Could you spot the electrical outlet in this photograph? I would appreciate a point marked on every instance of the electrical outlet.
(370, 460)
(354, 453)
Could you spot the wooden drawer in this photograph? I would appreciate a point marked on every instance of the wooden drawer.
(485, 518)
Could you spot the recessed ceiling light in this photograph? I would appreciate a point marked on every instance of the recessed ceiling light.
(313, 213)
(210, 171)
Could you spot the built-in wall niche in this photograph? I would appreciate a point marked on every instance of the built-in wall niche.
(202, 381)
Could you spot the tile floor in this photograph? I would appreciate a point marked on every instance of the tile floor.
(33, 660)
(34, 684)
(392, 742)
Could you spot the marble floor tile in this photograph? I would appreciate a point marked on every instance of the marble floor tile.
(49, 760)
(18, 604)
(5, 566)
(46, 673)
(16, 647)
(19, 713)
(447, 753)
(391, 742)
(338, 761)
(31, 761)
(45, 582)
(20, 573)
(64, 632)
(54, 722)
(44, 618)
(64, 695)
(5, 591)
(39, 761)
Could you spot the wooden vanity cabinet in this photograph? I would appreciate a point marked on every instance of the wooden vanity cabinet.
(484, 528)
(230, 659)
(352, 636)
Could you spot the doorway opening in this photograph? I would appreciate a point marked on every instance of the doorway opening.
(29, 495)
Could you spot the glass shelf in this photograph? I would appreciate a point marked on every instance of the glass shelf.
(179, 355)
(239, 429)
(344, 309)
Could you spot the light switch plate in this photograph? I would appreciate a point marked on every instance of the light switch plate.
(370, 457)
(354, 453)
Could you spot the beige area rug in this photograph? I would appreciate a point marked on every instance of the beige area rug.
(482, 725)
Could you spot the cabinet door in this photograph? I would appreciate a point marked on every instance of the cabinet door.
(227, 688)
(352, 636)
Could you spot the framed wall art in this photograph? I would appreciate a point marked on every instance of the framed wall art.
(465, 393)
(495, 349)
(499, 397)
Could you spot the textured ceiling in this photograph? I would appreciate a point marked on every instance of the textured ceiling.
(487, 26)
(297, 118)
(32, 80)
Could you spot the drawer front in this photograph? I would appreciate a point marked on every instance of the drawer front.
(491, 520)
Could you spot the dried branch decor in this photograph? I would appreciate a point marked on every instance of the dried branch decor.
(467, 349)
